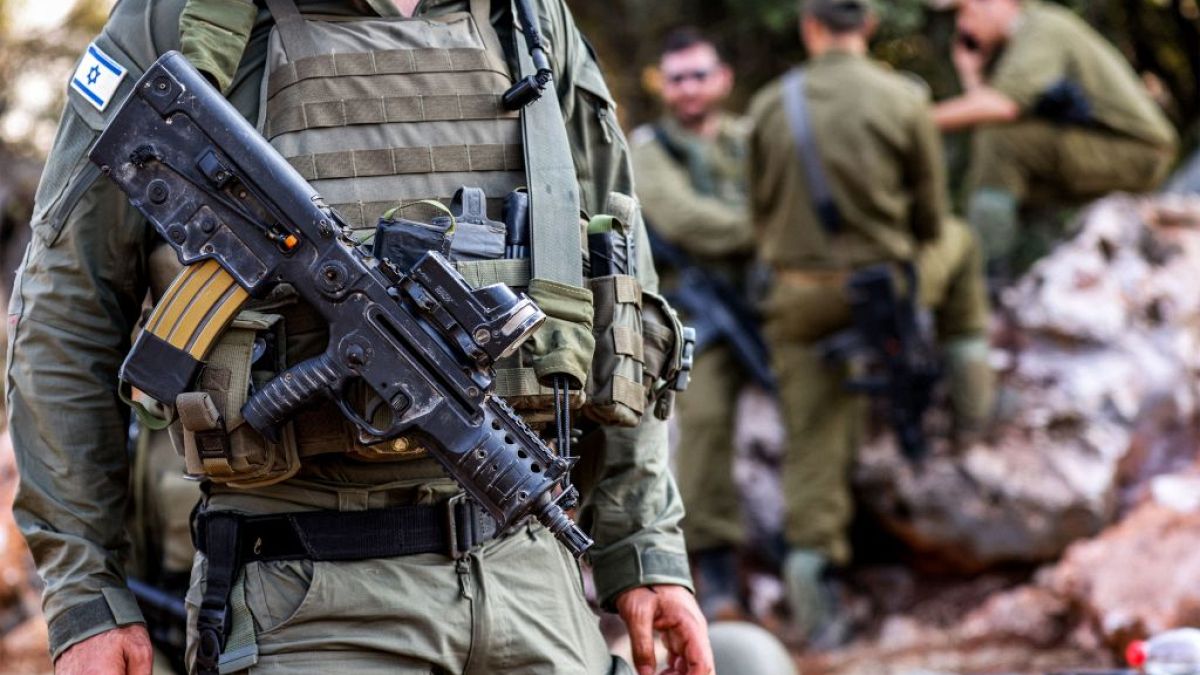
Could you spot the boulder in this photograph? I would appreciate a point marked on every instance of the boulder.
(1099, 387)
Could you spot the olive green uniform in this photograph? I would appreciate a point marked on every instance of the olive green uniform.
(1114, 137)
(700, 205)
(882, 155)
(513, 606)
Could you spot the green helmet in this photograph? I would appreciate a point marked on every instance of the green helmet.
(746, 649)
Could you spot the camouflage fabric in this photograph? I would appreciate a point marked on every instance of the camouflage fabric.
(80, 291)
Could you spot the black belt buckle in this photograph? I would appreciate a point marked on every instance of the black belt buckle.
(452, 525)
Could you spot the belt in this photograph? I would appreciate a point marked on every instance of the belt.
(230, 540)
(453, 528)
(807, 277)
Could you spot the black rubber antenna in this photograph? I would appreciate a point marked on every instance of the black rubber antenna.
(530, 88)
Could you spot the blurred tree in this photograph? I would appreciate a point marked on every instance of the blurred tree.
(1160, 37)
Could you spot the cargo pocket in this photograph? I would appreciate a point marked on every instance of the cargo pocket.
(281, 593)
(805, 312)
(615, 386)
(217, 443)
(67, 176)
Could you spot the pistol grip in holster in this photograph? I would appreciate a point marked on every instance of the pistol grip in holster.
(182, 330)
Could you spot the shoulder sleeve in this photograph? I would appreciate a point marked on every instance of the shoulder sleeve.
(633, 508)
(1034, 60)
(75, 302)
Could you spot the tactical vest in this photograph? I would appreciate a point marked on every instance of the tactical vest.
(410, 121)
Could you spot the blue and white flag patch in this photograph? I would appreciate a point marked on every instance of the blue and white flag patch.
(97, 77)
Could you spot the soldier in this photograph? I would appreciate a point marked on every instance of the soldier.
(1059, 117)
(846, 173)
(691, 179)
(512, 602)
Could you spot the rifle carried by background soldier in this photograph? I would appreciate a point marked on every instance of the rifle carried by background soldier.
(889, 351)
(716, 310)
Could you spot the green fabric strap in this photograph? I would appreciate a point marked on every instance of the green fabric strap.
(410, 161)
(480, 273)
(241, 649)
(553, 185)
(145, 417)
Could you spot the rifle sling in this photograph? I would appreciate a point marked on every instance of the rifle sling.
(553, 185)
(800, 121)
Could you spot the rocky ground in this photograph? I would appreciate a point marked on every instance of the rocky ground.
(1045, 550)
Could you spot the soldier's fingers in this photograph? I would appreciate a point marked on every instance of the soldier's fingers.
(139, 654)
(641, 636)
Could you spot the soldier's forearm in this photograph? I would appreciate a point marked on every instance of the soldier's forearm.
(982, 105)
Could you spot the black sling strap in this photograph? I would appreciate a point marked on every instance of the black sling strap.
(796, 105)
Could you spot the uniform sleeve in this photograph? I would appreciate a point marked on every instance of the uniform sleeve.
(927, 177)
(700, 224)
(1029, 66)
(75, 301)
(633, 507)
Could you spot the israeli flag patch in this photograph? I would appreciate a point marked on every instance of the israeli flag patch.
(97, 77)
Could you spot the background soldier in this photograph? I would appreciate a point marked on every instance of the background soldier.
(514, 602)
(691, 178)
(1060, 117)
(846, 173)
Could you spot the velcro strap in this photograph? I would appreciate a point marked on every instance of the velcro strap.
(407, 161)
(390, 62)
(384, 110)
(629, 392)
(629, 291)
(627, 342)
(197, 411)
(510, 272)
(514, 382)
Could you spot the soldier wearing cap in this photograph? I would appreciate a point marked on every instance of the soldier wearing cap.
(847, 173)
(1059, 117)
(691, 179)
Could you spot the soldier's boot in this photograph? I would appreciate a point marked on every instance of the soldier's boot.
(815, 606)
(717, 572)
(971, 385)
(995, 215)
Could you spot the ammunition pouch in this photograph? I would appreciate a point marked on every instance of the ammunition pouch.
(216, 442)
(615, 387)
(563, 347)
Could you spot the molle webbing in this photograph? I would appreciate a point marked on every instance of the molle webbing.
(310, 114)
(389, 62)
(409, 160)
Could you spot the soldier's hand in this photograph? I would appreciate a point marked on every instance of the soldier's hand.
(673, 612)
(969, 63)
(120, 651)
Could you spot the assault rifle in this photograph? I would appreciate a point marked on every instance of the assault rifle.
(421, 341)
(890, 351)
(716, 310)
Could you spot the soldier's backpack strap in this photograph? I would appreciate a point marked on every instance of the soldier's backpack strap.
(553, 184)
(795, 104)
(298, 43)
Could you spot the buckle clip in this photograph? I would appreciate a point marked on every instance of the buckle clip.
(455, 552)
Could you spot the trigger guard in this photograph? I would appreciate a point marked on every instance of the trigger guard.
(368, 434)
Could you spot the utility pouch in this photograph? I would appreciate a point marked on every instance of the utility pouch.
(669, 350)
(615, 386)
(562, 347)
(217, 443)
